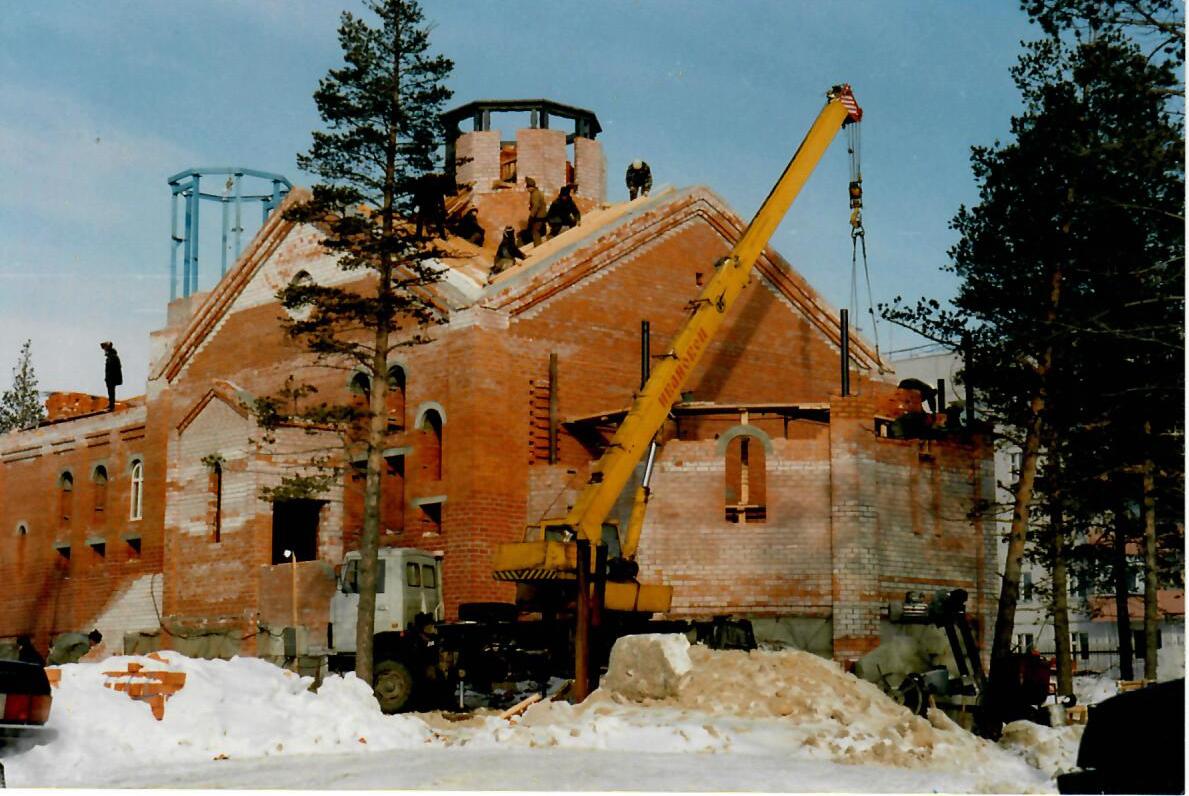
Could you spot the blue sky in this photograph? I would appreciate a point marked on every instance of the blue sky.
(101, 102)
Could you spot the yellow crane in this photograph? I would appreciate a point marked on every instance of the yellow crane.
(549, 552)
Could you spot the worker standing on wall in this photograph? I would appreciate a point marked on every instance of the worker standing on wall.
(113, 373)
(537, 212)
(507, 254)
(638, 178)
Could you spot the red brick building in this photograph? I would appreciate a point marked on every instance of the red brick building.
(773, 496)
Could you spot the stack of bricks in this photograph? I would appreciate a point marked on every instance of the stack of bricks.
(147, 685)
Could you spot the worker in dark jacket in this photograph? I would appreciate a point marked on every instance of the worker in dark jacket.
(70, 647)
(507, 254)
(113, 374)
(563, 212)
(469, 228)
(638, 179)
(27, 652)
(430, 195)
(538, 213)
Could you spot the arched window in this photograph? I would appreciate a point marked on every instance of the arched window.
(215, 484)
(396, 398)
(65, 497)
(22, 529)
(745, 496)
(300, 312)
(136, 496)
(431, 451)
(99, 477)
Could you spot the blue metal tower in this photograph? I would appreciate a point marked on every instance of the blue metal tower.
(186, 184)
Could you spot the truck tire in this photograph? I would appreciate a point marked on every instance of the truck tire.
(394, 686)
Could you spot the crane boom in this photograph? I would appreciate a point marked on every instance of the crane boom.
(651, 406)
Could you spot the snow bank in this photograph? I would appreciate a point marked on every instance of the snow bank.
(1053, 750)
(661, 697)
(244, 707)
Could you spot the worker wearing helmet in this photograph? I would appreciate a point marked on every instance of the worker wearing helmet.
(638, 178)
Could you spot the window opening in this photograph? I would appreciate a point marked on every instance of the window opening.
(133, 546)
(65, 497)
(433, 447)
(396, 398)
(137, 494)
(216, 479)
(1084, 645)
(431, 517)
(100, 479)
(429, 577)
(99, 546)
(22, 529)
(295, 528)
(1028, 587)
(412, 574)
(745, 496)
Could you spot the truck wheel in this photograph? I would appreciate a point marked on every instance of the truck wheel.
(394, 686)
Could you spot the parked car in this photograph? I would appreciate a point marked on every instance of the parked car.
(1133, 743)
(25, 701)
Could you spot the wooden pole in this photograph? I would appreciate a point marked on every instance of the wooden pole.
(293, 579)
(582, 626)
(597, 637)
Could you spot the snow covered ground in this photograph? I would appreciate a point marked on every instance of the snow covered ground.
(717, 721)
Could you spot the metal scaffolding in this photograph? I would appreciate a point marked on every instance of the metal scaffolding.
(186, 184)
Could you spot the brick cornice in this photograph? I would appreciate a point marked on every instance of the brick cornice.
(634, 233)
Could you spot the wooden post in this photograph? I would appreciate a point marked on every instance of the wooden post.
(294, 591)
(597, 638)
(582, 626)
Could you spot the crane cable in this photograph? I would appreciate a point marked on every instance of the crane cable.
(858, 236)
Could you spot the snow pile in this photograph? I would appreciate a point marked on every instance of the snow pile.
(786, 711)
(759, 702)
(244, 707)
(1053, 750)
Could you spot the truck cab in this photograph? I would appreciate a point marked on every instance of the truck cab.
(408, 583)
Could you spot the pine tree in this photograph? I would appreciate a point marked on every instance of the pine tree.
(1072, 286)
(380, 111)
(20, 407)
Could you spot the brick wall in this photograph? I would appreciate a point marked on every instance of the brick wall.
(590, 169)
(103, 582)
(541, 154)
(479, 159)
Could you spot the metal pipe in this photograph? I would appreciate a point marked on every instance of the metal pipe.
(968, 355)
(652, 449)
(844, 322)
(645, 353)
(582, 624)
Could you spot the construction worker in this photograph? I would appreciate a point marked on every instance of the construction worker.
(538, 214)
(469, 228)
(563, 212)
(638, 179)
(430, 196)
(506, 255)
(113, 373)
(70, 647)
